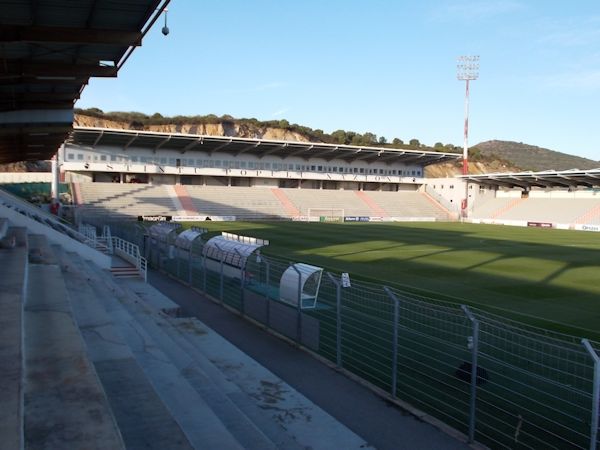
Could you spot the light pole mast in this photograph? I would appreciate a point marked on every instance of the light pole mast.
(467, 70)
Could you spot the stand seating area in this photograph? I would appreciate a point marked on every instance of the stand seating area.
(92, 361)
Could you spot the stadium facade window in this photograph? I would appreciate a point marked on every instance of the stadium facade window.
(361, 170)
(320, 168)
(268, 166)
(163, 160)
(134, 159)
(113, 157)
(102, 157)
(243, 164)
(251, 165)
(80, 156)
(172, 161)
(70, 155)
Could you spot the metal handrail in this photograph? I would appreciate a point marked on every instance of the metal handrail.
(132, 251)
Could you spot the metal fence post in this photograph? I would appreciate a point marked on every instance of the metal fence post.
(395, 343)
(595, 394)
(474, 346)
(338, 319)
(203, 270)
(298, 306)
(190, 264)
(242, 279)
(221, 278)
(267, 296)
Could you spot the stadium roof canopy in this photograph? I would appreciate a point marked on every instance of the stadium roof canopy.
(549, 178)
(48, 51)
(235, 146)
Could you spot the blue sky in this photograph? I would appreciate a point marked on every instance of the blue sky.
(384, 66)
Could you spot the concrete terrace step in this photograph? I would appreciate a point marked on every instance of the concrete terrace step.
(151, 317)
(254, 414)
(64, 403)
(12, 291)
(251, 426)
(141, 416)
(197, 421)
(305, 422)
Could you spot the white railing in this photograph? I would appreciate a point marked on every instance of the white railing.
(33, 212)
(130, 253)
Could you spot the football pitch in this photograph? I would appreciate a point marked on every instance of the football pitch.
(544, 277)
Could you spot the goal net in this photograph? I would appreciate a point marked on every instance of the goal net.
(326, 214)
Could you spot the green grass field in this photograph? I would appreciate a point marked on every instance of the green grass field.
(544, 277)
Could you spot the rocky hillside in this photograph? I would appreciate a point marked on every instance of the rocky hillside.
(226, 128)
(530, 157)
(486, 157)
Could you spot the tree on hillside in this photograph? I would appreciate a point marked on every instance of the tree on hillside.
(397, 141)
(339, 137)
(414, 143)
(382, 140)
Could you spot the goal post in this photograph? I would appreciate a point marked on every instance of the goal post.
(326, 214)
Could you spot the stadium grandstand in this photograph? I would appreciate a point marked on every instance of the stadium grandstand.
(224, 177)
(553, 199)
(94, 355)
(91, 356)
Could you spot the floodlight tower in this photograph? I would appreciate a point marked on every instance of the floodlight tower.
(467, 70)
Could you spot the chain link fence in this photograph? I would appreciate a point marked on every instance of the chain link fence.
(500, 382)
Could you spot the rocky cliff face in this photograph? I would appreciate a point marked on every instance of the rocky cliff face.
(234, 129)
(217, 129)
(445, 170)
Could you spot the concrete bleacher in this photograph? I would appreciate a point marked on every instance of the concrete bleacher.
(12, 294)
(323, 199)
(549, 210)
(409, 204)
(108, 364)
(245, 203)
(124, 200)
(251, 203)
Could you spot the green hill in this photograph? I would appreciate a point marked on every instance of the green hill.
(531, 157)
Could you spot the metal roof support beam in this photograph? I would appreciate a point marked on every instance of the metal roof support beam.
(130, 141)
(273, 150)
(30, 116)
(98, 139)
(60, 71)
(66, 35)
(163, 142)
(248, 148)
(40, 97)
(219, 147)
(192, 145)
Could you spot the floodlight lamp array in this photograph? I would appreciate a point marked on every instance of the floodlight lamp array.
(468, 67)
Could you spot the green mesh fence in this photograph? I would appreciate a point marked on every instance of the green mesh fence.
(533, 388)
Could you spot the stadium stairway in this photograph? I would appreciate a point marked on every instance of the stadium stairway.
(376, 210)
(288, 206)
(591, 216)
(187, 205)
(172, 382)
